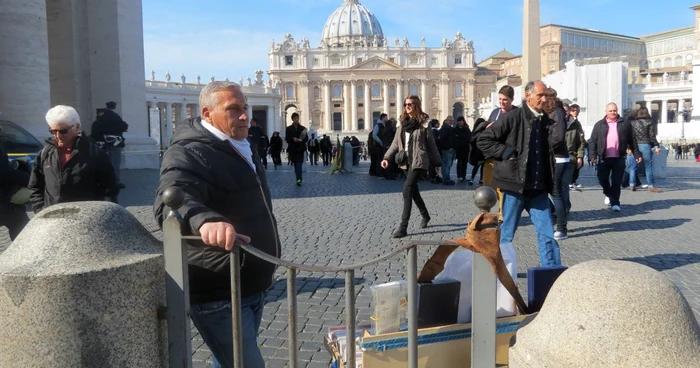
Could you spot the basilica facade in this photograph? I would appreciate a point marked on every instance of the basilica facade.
(356, 73)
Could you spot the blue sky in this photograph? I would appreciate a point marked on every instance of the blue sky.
(230, 38)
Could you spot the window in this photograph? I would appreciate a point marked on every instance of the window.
(361, 124)
(392, 91)
(316, 62)
(360, 105)
(668, 62)
(413, 60)
(336, 91)
(335, 60)
(317, 93)
(336, 105)
(360, 92)
(392, 60)
(359, 60)
(290, 92)
(289, 60)
(433, 61)
(657, 63)
(414, 89)
(678, 61)
(375, 90)
(458, 59)
(434, 89)
(392, 104)
(458, 90)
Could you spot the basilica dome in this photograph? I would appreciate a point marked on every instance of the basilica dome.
(352, 24)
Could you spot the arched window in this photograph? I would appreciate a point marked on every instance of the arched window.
(434, 88)
(375, 90)
(668, 62)
(360, 92)
(336, 91)
(392, 91)
(688, 59)
(657, 63)
(361, 124)
(564, 57)
(317, 93)
(678, 61)
(290, 92)
(458, 90)
(414, 89)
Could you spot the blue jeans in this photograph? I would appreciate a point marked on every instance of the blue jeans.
(213, 321)
(537, 205)
(448, 157)
(563, 172)
(115, 157)
(647, 156)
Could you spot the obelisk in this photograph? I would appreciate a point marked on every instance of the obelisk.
(531, 68)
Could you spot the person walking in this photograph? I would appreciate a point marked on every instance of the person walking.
(413, 148)
(446, 145)
(314, 149)
(296, 137)
(108, 132)
(576, 144)
(463, 138)
(610, 139)
(70, 168)
(227, 200)
(326, 148)
(520, 143)
(276, 149)
(644, 134)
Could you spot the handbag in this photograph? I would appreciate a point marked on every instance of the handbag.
(401, 158)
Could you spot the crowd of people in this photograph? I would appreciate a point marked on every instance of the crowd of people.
(530, 154)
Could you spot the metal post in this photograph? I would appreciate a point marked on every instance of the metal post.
(350, 324)
(237, 323)
(483, 313)
(292, 315)
(177, 294)
(412, 310)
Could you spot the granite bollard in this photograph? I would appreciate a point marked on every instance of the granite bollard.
(81, 287)
(610, 314)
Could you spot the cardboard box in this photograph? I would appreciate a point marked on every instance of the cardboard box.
(446, 346)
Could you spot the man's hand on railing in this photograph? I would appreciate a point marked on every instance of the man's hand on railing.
(221, 234)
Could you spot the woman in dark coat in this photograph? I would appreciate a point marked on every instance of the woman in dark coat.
(275, 149)
(415, 149)
(476, 157)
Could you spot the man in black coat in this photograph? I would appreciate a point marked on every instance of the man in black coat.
(226, 199)
(463, 137)
(326, 148)
(446, 145)
(70, 168)
(610, 139)
(296, 137)
(108, 132)
(258, 140)
(520, 142)
(13, 216)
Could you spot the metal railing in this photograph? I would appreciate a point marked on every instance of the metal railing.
(178, 304)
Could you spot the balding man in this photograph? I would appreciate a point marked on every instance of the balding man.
(520, 142)
(610, 139)
(226, 194)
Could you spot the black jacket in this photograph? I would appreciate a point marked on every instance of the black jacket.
(255, 134)
(275, 144)
(476, 157)
(599, 135)
(446, 138)
(463, 137)
(110, 123)
(644, 131)
(219, 185)
(510, 135)
(325, 144)
(295, 150)
(558, 117)
(87, 176)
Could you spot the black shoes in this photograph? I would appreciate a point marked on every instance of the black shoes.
(424, 222)
(399, 233)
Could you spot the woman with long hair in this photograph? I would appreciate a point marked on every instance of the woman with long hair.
(275, 149)
(413, 149)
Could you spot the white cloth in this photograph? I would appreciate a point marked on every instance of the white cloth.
(562, 160)
(242, 147)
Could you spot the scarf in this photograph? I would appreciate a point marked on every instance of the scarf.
(410, 125)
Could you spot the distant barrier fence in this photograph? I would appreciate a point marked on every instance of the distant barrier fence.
(178, 310)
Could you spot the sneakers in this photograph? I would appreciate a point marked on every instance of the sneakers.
(299, 182)
(579, 186)
(470, 182)
(616, 208)
(558, 235)
(571, 186)
(607, 201)
(645, 186)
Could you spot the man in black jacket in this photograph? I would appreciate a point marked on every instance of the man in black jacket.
(521, 143)
(13, 216)
(296, 136)
(610, 139)
(446, 145)
(463, 137)
(70, 168)
(226, 195)
(108, 132)
(258, 141)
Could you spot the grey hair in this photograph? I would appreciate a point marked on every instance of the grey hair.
(531, 85)
(207, 95)
(62, 114)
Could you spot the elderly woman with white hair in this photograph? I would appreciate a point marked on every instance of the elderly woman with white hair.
(70, 168)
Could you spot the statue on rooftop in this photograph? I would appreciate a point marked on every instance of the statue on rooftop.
(167, 77)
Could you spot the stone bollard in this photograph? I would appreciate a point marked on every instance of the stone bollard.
(658, 163)
(347, 157)
(81, 287)
(602, 314)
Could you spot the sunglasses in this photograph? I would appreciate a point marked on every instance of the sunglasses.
(407, 104)
(61, 131)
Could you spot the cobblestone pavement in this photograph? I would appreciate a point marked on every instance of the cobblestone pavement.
(348, 218)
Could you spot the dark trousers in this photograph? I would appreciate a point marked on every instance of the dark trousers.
(313, 157)
(480, 169)
(263, 158)
(462, 161)
(560, 195)
(574, 177)
(276, 158)
(15, 218)
(610, 171)
(297, 169)
(326, 157)
(411, 194)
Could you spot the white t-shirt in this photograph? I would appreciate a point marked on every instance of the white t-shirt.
(242, 147)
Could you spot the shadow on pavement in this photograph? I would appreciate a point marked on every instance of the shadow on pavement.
(278, 290)
(668, 261)
(629, 209)
(633, 225)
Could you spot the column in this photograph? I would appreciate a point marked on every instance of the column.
(249, 112)
(444, 100)
(303, 97)
(327, 112)
(664, 112)
(183, 114)
(167, 127)
(385, 96)
(194, 109)
(399, 98)
(681, 105)
(347, 123)
(24, 91)
(424, 94)
(531, 67)
(353, 107)
(270, 124)
(369, 124)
